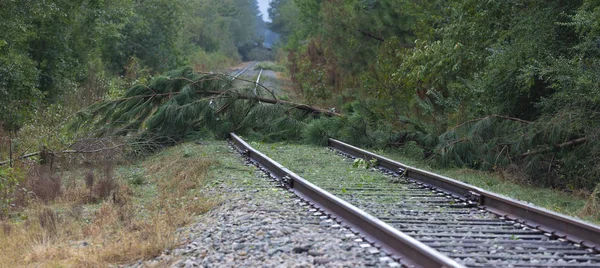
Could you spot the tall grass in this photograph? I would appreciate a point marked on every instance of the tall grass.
(96, 219)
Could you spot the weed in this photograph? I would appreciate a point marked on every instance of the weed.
(268, 65)
(89, 182)
(48, 220)
(107, 184)
(9, 182)
(130, 223)
(187, 153)
(89, 179)
(76, 211)
(136, 179)
(362, 163)
(592, 206)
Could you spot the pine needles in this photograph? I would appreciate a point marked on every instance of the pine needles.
(559, 150)
(183, 104)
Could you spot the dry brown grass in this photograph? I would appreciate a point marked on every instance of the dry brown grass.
(592, 206)
(126, 225)
(43, 183)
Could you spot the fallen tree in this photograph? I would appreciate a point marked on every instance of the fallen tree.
(183, 104)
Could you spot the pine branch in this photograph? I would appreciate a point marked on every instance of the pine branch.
(64, 152)
(19, 158)
(574, 142)
(492, 116)
(370, 35)
(300, 106)
(446, 146)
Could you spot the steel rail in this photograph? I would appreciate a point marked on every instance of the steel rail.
(244, 70)
(558, 225)
(257, 80)
(406, 249)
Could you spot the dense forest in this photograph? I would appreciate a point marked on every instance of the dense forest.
(509, 86)
(58, 57)
(84, 50)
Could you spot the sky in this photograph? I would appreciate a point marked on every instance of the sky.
(263, 6)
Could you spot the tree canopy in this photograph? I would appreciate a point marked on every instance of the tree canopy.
(495, 85)
(52, 50)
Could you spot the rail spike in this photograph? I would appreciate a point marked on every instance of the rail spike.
(474, 198)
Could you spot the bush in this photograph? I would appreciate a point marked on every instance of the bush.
(43, 184)
(10, 180)
(48, 220)
(269, 65)
(107, 184)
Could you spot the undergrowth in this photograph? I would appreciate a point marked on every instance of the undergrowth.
(269, 65)
(101, 215)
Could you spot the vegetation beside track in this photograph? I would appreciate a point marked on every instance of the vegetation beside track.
(126, 212)
(488, 85)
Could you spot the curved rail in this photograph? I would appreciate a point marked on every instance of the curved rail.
(558, 225)
(406, 249)
(244, 70)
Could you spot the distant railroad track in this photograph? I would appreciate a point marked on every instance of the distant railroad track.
(244, 70)
(427, 220)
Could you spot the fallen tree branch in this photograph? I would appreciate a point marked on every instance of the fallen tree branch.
(64, 152)
(447, 146)
(370, 35)
(492, 116)
(556, 147)
(19, 158)
(300, 106)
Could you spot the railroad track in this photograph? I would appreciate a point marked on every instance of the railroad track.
(244, 70)
(423, 219)
(257, 82)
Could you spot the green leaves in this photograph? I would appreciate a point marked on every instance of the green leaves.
(362, 163)
(9, 183)
(184, 104)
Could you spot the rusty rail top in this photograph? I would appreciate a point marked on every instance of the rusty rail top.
(406, 249)
(559, 225)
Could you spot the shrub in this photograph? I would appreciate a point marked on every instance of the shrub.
(137, 179)
(10, 179)
(43, 184)
(48, 220)
(107, 184)
(269, 65)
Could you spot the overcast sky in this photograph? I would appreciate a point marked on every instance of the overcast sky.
(263, 6)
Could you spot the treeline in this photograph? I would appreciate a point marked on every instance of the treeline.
(494, 85)
(72, 53)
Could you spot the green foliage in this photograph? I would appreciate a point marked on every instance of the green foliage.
(268, 65)
(18, 88)
(49, 50)
(362, 163)
(183, 104)
(493, 85)
(137, 179)
(10, 179)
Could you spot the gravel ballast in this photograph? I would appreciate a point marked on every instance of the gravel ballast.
(262, 225)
